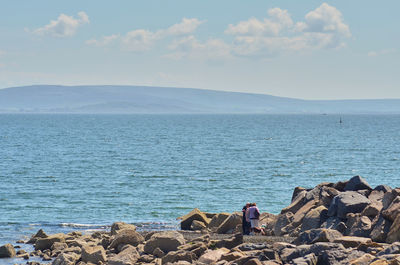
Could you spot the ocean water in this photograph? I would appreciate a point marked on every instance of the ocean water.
(67, 172)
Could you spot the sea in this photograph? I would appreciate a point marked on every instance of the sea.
(64, 172)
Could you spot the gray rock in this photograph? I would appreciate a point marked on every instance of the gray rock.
(357, 183)
(383, 188)
(358, 225)
(167, 241)
(66, 259)
(195, 214)
(46, 243)
(197, 225)
(282, 221)
(314, 218)
(335, 223)
(230, 223)
(327, 194)
(128, 256)
(347, 202)
(7, 251)
(217, 220)
(392, 249)
(296, 204)
(309, 259)
(318, 235)
(393, 210)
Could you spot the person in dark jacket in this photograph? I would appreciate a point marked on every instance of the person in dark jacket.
(245, 222)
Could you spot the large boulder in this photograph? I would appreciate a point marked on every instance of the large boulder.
(358, 225)
(195, 214)
(217, 220)
(393, 210)
(179, 257)
(197, 225)
(282, 221)
(95, 254)
(318, 235)
(7, 251)
(357, 183)
(314, 218)
(348, 202)
(230, 223)
(327, 194)
(118, 226)
(126, 236)
(39, 234)
(47, 242)
(352, 241)
(212, 256)
(167, 241)
(128, 256)
(380, 230)
(297, 203)
(66, 259)
(394, 231)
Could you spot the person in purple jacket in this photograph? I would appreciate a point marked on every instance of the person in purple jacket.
(254, 216)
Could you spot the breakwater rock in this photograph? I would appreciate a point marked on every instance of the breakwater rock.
(332, 223)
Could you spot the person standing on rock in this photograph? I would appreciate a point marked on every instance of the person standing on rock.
(245, 221)
(254, 216)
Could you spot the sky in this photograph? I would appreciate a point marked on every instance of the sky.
(301, 49)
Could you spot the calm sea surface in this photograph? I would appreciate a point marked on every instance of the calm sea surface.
(64, 172)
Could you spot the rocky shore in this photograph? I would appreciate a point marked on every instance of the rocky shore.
(332, 223)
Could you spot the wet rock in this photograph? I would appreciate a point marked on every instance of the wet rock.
(47, 242)
(347, 202)
(357, 183)
(166, 241)
(128, 256)
(7, 251)
(94, 254)
(118, 226)
(126, 236)
(314, 218)
(195, 214)
(352, 241)
(230, 223)
(39, 234)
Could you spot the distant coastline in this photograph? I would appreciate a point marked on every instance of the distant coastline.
(46, 99)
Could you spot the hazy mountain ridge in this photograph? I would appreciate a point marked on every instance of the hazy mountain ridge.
(141, 99)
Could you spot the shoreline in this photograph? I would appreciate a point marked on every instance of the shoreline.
(333, 223)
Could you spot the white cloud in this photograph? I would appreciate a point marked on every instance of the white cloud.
(278, 20)
(64, 26)
(142, 40)
(104, 41)
(381, 52)
(323, 28)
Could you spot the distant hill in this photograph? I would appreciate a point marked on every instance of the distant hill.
(168, 100)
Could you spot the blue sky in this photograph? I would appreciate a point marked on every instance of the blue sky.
(302, 49)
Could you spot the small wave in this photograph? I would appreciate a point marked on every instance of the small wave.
(81, 225)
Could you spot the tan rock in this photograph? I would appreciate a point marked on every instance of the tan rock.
(7, 251)
(364, 259)
(118, 226)
(352, 241)
(394, 231)
(46, 243)
(94, 255)
(197, 225)
(253, 261)
(297, 203)
(231, 256)
(312, 219)
(217, 220)
(230, 223)
(126, 257)
(380, 262)
(126, 236)
(195, 214)
(166, 241)
(212, 256)
(66, 259)
(393, 210)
